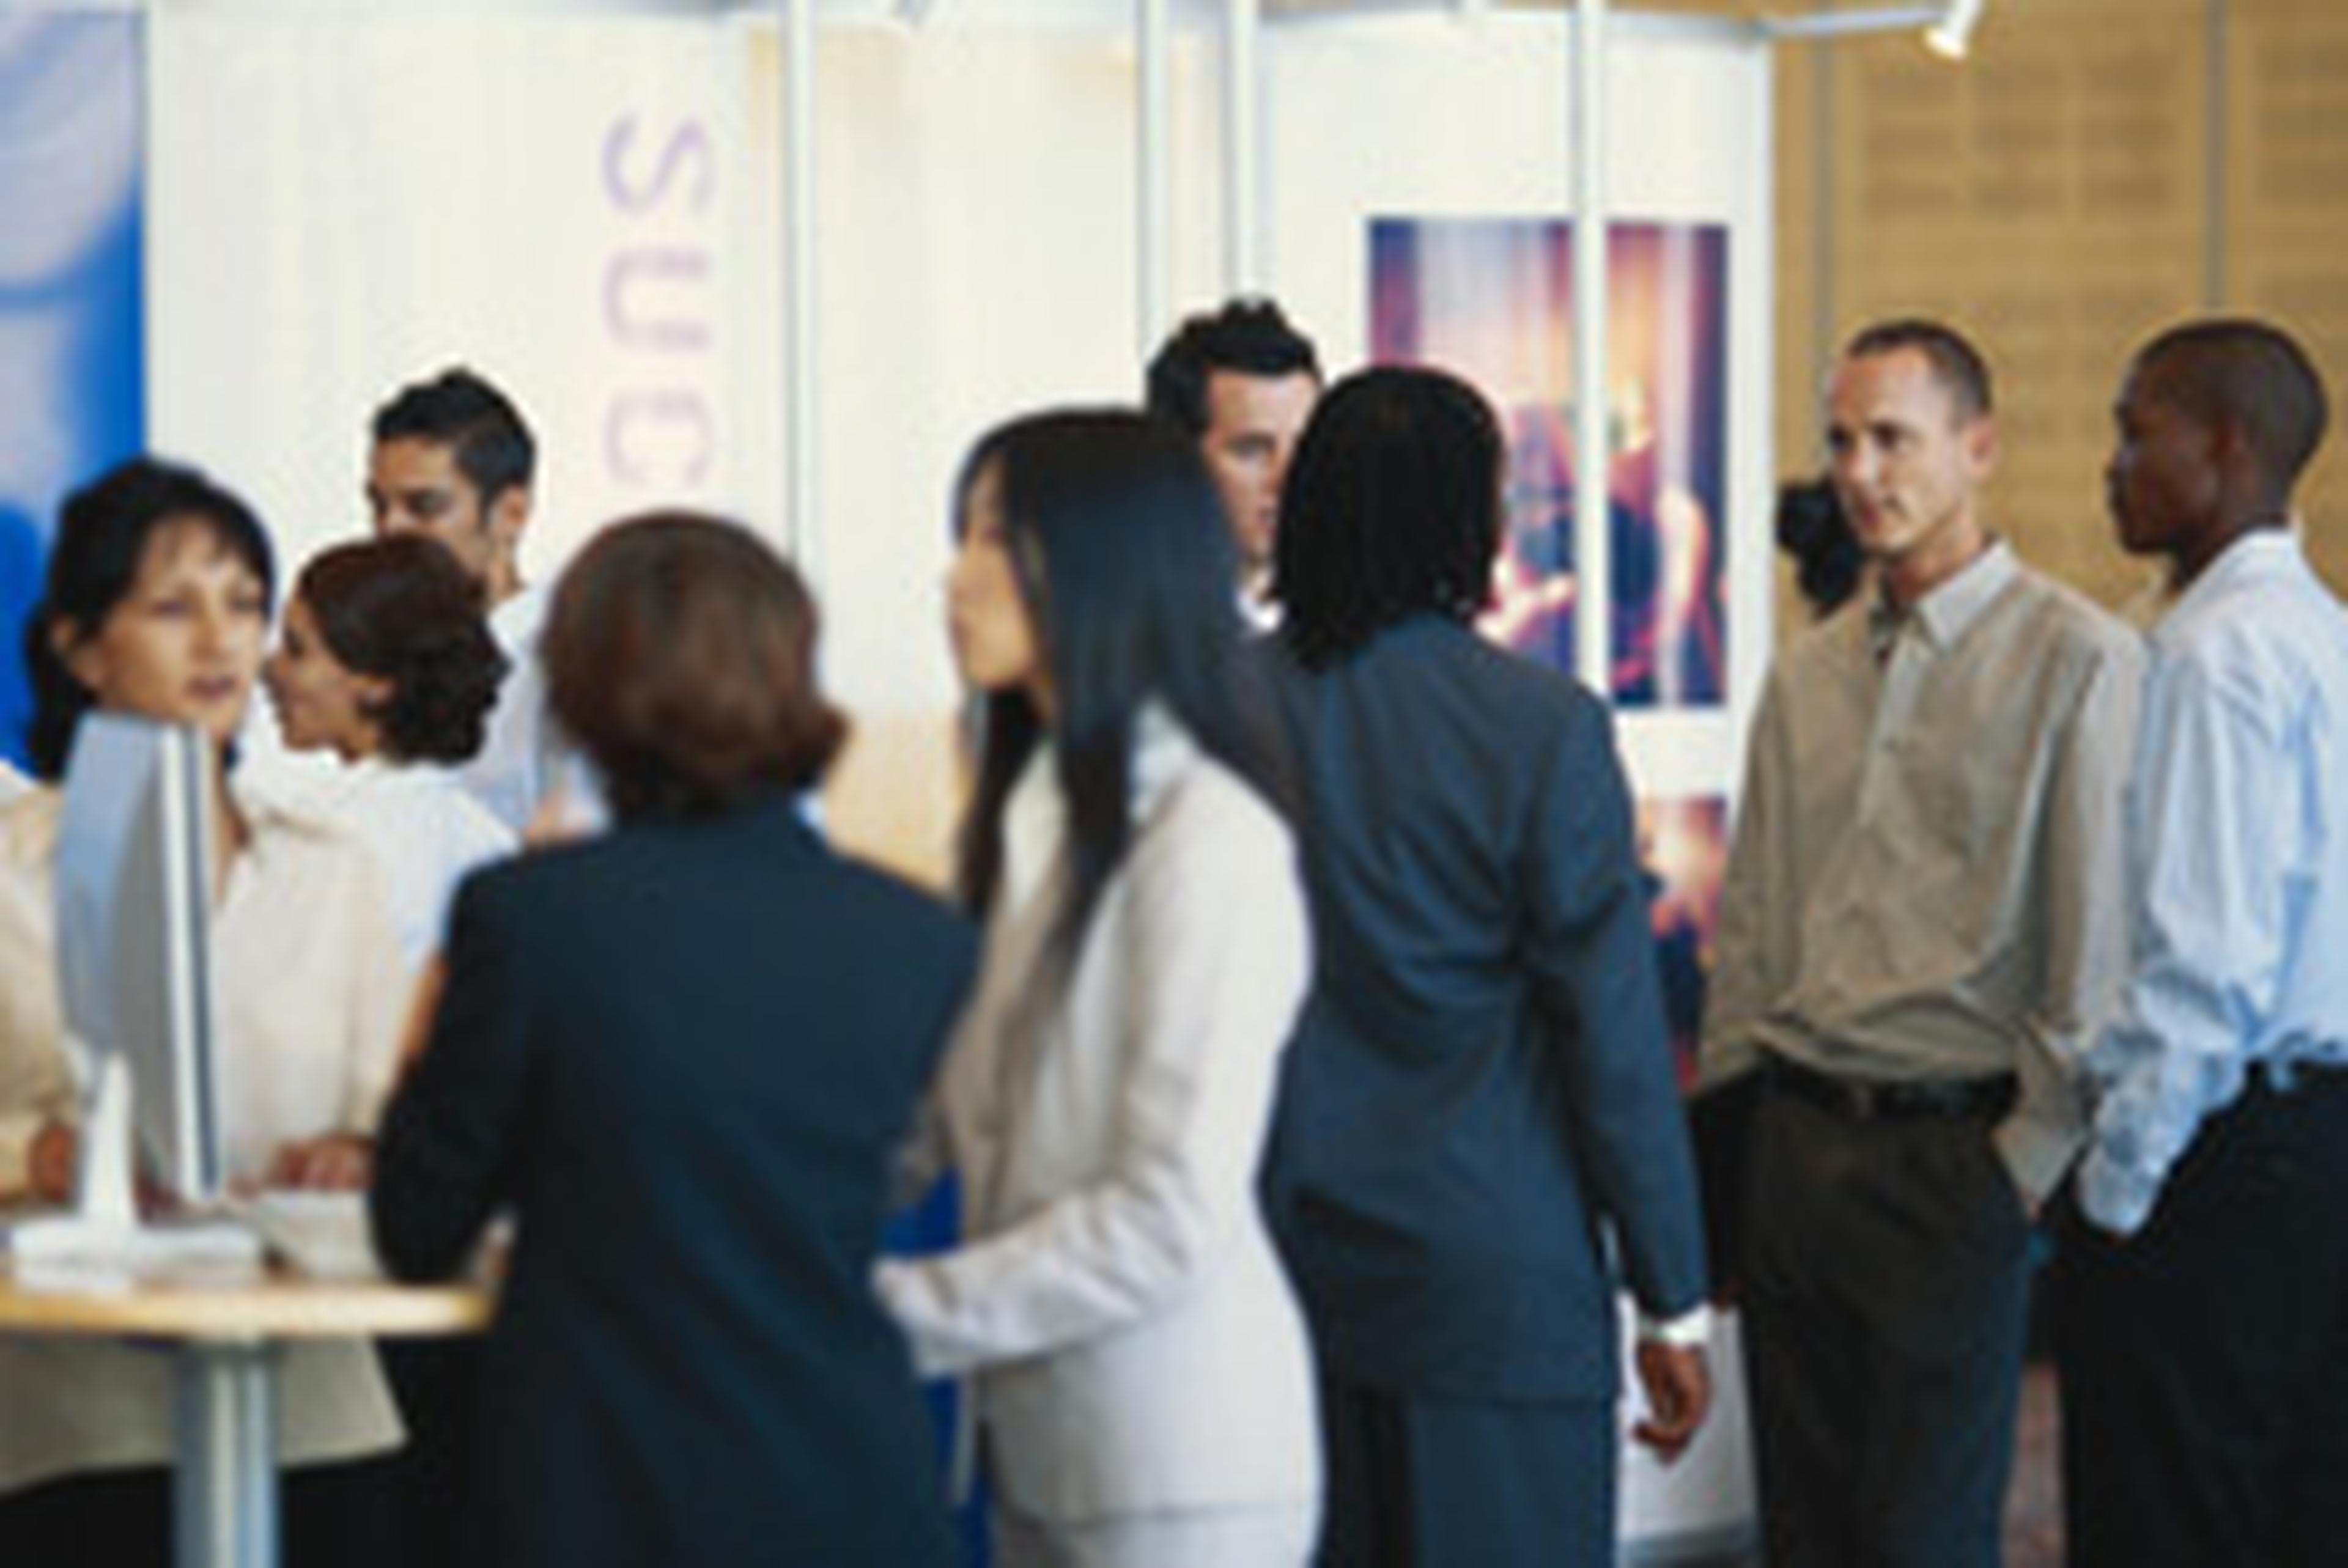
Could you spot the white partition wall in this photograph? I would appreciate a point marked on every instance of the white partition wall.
(1443, 122)
(341, 203)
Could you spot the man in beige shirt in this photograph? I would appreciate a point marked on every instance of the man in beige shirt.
(1919, 928)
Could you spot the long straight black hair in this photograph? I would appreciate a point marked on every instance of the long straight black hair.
(1126, 564)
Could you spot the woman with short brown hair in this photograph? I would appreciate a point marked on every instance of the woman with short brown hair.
(683, 1054)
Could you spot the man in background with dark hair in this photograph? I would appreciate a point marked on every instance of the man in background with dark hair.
(1242, 382)
(2201, 1290)
(1916, 935)
(453, 460)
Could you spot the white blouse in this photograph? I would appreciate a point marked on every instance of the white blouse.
(426, 832)
(311, 999)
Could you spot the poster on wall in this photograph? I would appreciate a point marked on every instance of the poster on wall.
(72, 348)
(1490, 299)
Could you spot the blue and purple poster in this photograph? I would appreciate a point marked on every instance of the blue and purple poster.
(1490, 299)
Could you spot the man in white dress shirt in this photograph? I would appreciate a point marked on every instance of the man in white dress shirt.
(2202, 1280)
(453, 460)
(1242, 380)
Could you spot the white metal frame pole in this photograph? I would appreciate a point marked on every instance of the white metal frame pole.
(1154, 205)
(1593, 617)
(1243, 271)
(799, 494)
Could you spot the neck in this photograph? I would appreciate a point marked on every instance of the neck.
(1908, 577)
(232, 832)
(2194, 557)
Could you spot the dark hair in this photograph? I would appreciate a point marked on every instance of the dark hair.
(1247, 335)
(402, 608)
(1956, 364)
(1123, 559)
(461, 410)
(2254, 374)
(680, 655)
(1392, 508)
(104, 530)
(1827, 559)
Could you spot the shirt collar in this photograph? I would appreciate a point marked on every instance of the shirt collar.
(2259, 554)
(1949, 611)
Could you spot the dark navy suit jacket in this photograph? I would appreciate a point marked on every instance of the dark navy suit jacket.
(1481, 1085)
(684, 1055)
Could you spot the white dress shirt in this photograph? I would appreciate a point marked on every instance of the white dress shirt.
(1136, 1344)
(516, 764)
(310, 998)
(426, 832)
(2237, 826)
(12, 784)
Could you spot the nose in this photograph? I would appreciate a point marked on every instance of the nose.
(1855, 465)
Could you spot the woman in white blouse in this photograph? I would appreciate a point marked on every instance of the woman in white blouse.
(157, 604)
(386, 660)
(1142, 1376)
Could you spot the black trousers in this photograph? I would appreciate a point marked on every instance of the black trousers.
(335, 1516)
(1427, 1481)
(1886, 1304)
(2204, 1361)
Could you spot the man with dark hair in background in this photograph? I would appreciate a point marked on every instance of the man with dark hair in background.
(453, 460)
(1916, 934)
(2201, 1290)
(1242, 382)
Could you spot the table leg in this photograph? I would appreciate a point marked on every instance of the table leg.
(224, 1489)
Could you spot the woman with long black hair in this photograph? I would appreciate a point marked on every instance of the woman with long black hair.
(1142, 1376)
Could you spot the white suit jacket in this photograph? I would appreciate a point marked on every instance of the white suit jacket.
(1135, 1343)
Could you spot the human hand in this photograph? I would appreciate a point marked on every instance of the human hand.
(1677, 1381)
(338, 1161)
(51, 1161)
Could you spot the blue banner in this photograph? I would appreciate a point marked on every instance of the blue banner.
(72, 327)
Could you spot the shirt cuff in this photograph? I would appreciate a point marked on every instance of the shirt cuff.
(2115, 1197)
(1690, 1330)
(2036, 1152)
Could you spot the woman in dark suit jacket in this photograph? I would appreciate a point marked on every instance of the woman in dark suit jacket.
(683, 1055)
(1480, 1087)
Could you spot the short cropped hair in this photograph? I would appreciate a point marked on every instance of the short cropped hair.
(1956, 363)
(680, 656)
(401, 607)
(1392, 508)
(2254, 374)
(459, 409)
(1247, 335)
(103, 533)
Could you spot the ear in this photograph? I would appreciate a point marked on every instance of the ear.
(2231, 450)
(1981, 446)
(84, 660)
(373, 693)
(508, 515)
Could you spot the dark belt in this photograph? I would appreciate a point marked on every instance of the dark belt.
(1875, 1099)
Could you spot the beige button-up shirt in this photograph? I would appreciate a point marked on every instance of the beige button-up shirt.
(311, 996)
(1925, 882)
